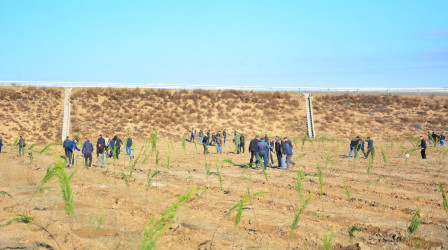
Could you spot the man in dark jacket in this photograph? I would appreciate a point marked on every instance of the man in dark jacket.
(204, 144)
(22, 145)
(117, 146)
(369, 147)
(101, 150)
(129, 146)
(65, 146)
(224, 134)
(242, 142)
(71, 157)
(280, 150)
(263, 149)
(423, 147)
(253, 149)
(100, 141)
(87, 150)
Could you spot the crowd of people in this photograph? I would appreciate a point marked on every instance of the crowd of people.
(105, 148)
(261, 149)
(358, 144)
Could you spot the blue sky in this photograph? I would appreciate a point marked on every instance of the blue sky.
(266, 43)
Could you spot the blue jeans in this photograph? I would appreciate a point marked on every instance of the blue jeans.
(201, 139)
(192, 137)
(352, 149)
(442, 143)
(224, 140)
(219, 148)
(21, 151)
(128, 150)
(264, 156)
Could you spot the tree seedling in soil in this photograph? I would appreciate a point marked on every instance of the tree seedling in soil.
(327, 240)
(445, 201)
(347, 193)
(243, 203)
(414, 223)
(157, 228)
(321, 179)
(352, 230)
(297, 215)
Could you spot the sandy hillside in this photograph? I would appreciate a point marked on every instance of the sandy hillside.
(36, 113)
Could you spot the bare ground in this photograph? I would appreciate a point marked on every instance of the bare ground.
(382, 202)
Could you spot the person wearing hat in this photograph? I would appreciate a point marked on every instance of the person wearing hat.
(72, 146)
(87, 150)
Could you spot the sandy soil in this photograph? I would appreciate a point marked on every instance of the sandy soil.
(382, 202)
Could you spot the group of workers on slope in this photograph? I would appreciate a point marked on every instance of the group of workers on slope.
(105, 148)
(359, 144)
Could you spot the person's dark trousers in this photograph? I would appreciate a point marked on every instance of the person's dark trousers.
(369, 150)
(252, 156)
(241, 148)
(264, 156)
(66, 152)
(88, 156)
(279, 158)
(71, 158)
(423, 152)
(0, 149)
(118, 152)
(205, 148)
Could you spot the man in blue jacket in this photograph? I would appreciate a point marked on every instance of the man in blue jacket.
(263, 149)
(71, 158)
(65, 146)
(129, 146)
(87, 150)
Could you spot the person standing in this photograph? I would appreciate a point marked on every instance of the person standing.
(429, 138)
(71, 157)
(442, 140)
(253, 149)
(106, 142)
(201, 136)
(236, 139)
(117, 146)
(193, 132)
(354, 147)
(1, 144)
(101, 150)
(87, 150)
(434, 137)
(100, 141)
(289, 148)
(369, 147)
(280, 150)
(65, 146)
(224, 134)
(22, 145)
(208, 137)
(263, 149)
(204, 144)
(218, 144)
(242, 142)
(423, 147)
(129, 146)
(112, 147)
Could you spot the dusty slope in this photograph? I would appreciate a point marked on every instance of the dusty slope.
(382, 202)
(37, 113)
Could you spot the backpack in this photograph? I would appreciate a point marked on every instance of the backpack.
(442, 137)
